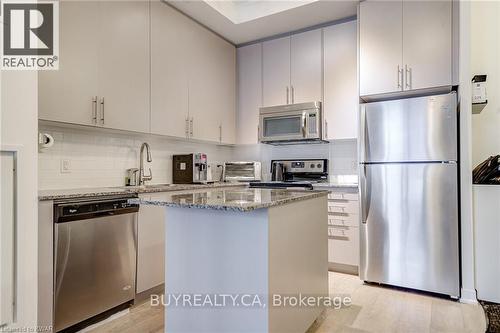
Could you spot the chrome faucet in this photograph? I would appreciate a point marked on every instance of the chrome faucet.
(142, 176)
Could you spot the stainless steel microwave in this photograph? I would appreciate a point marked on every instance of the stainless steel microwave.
(291, 123)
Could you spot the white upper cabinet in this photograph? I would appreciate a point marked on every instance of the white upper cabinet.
(340, 106)
(141, 66)
(404, 45)
(427, 43)
(68, 94)
(276, 72)
(124, 65)
(380, 47)
(169, 74)
(212, 87)
(306, 67)
(292, 69)
(249, 83)
(103, 78)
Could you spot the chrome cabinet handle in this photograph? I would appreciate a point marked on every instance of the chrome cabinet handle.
(293, 94)
(220, 133)
(408, 77)
(94, 110)
(102, 110)
(191, 127)
(287, 95)
(186, 127)
(326, 129)
(400, 78)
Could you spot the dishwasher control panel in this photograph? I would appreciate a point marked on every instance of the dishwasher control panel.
(86, 208)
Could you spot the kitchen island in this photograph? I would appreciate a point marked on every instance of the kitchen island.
(237, 259)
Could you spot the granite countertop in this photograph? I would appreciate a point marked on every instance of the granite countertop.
(231, 199)
(123, 190)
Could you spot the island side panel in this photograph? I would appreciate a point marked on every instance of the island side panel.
(216, 252)
(298, 260)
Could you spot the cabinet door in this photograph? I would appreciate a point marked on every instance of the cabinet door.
(427, 38)
(340, 106)
(226, 91)
(380, 47)
(276, 72)
(249, 93)
(66, 94)
(150, 247)
(124, 61)
(205, 83)
(343, 245)
(169, 70)
(306, 67)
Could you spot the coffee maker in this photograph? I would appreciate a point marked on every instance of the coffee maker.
(190, 169)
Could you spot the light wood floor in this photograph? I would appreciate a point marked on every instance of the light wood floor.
(373, 309)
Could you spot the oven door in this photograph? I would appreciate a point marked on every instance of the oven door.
(290, 126)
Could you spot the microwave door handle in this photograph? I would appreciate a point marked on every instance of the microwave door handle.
(304, 124)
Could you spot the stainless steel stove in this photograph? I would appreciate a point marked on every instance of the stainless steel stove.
(298, 174)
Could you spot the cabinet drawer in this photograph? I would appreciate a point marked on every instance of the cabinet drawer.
(343, 245)
(348, 207)
(343, 196)
(343, 220)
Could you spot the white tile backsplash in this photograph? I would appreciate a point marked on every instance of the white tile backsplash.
(342, 155)
(99, 158)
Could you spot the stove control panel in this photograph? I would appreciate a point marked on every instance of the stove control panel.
(304, 166)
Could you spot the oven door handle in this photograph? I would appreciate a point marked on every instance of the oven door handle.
(304, 125)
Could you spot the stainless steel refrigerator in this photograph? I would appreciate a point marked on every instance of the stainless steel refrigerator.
(409, 193)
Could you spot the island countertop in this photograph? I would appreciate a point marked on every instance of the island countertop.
(59, 194)
(230, 199)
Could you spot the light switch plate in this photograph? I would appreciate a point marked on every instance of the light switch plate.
(65, 166)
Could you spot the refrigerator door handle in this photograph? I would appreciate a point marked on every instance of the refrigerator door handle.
(365, 193)
(362, 133)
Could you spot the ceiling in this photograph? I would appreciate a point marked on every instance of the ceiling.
(243, 21)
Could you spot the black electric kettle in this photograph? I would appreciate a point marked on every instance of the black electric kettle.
(277, 171)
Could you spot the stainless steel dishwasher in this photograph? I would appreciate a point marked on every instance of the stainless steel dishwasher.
(94, 257)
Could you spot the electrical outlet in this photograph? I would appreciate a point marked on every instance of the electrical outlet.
(65, 166)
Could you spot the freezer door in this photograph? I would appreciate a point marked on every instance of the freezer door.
(409, 229)
(412, 129)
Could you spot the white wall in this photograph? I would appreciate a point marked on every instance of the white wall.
(100, 159)
(18, 128)
(485, 59)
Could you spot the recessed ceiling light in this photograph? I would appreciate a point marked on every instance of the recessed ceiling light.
(241, 11)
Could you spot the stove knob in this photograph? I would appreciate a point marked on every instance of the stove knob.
(312, 166)
(319, 166)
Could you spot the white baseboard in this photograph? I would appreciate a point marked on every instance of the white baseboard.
(468, 296)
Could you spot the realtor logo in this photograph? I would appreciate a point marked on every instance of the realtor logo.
(30, 35)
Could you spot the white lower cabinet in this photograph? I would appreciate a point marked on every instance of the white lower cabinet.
(343, 245)
(343, 231)
(150, 246)
(487, 241)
